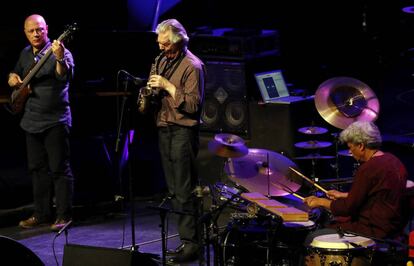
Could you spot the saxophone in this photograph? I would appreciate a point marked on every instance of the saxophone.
(147, 95)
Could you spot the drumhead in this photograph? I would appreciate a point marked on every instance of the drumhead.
(299, 224)
(334, 241)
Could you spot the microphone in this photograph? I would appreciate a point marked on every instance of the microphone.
(136, 80)
(64, 228)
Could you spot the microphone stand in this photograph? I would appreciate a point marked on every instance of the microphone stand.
(125, 158)
(163, 213)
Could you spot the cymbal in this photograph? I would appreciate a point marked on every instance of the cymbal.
(344, 100)
(314, 156)
(312, 130)
(313, 144)
(345, 153)
(227, 145)
(257, 170)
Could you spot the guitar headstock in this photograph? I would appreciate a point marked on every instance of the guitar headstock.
(70, 29)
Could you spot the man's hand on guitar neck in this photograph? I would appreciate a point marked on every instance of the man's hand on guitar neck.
(58, 50)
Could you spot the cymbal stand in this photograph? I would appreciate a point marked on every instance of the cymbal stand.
(336, 166)
(267, 165)
(313, 171)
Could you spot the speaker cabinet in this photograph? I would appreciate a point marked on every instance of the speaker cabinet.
(225, 106)
(78, 255)
(275, 126)
(14, 253)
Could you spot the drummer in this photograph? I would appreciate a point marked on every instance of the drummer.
(372, 207)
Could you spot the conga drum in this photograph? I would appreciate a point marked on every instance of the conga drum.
(333, 249)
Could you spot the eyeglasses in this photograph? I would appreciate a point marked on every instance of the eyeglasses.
(38, 31)
(165, 44)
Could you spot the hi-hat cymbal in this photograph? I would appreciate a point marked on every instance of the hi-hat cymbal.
(314, 156)
(227, 145)
(263, 171)
(344, 100)
(312, 130)
(313, 144)
(345, 153)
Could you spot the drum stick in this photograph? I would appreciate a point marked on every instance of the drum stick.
(308, 179)
(291, 192)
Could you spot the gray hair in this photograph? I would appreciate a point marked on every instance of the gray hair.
(178, 33)
(362, 132)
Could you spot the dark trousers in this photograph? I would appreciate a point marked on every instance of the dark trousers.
(178, 148)
(48, 162)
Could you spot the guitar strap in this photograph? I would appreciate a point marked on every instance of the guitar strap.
(42, 52)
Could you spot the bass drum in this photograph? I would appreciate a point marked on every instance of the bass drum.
(246, 242)
(332, 249)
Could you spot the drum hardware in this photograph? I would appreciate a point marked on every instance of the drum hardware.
(313, 144)
(343, 100)
(258, 168)
(208, 221)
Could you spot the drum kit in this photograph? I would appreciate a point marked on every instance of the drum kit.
(340, 101)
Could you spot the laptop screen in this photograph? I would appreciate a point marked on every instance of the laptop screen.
(271, 85)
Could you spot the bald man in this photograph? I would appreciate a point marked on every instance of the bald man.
(46, 120)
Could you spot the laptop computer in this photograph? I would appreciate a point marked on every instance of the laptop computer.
(273, 88)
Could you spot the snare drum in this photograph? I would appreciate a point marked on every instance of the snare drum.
(331, 249)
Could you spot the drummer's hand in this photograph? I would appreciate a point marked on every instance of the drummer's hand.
(315, 202)
(335, 194)
(311, 201)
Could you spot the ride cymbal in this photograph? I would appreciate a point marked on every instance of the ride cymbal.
(344, 100)
(313, 144)
(259, 169)
(312, 130)
(227, 145)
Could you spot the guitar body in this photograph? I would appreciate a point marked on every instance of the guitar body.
(18, 99)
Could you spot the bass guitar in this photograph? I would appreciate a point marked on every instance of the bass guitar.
(21, 93)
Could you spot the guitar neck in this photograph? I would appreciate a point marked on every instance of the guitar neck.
(36, 67)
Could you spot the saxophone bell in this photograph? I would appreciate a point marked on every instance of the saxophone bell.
(144, 99)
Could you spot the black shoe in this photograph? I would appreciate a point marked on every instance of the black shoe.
(189, 252)
(173, 252)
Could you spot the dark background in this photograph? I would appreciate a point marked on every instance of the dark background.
(371, 41)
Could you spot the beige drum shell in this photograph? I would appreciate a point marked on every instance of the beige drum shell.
(333, 241)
